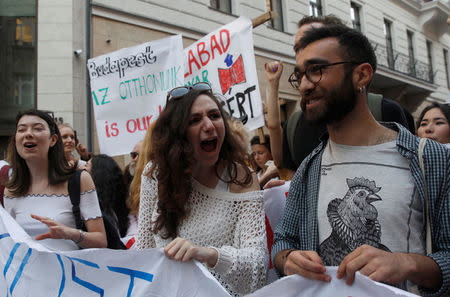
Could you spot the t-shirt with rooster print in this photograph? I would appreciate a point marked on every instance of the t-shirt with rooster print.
(367, 196)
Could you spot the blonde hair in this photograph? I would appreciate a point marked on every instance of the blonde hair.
(135, 187)
(73, 158)
(64, 125)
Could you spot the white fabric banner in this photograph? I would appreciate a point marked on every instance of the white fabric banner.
(225, 58)
(297, 286)
(274, 202)
(129, 89)
(29, 269)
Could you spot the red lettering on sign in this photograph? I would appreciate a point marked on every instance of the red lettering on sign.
(228, 40)
(114, 130)
(201, 51)
(192, 59)
(215, 45)
(204, 54)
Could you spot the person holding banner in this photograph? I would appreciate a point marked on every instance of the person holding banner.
(364, 197)
(199, 200)
(36, 195)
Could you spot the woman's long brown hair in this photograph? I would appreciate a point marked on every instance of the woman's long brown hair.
(58, 168)
(172, 159)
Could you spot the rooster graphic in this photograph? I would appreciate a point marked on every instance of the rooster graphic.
(353, 221)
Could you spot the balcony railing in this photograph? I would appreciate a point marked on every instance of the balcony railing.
(402, 63)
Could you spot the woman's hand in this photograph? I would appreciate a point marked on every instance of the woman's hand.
(181, 249)
(56, 230)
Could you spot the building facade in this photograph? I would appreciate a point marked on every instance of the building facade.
(44, 46)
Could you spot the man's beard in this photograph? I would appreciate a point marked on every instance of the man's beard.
(339, 102)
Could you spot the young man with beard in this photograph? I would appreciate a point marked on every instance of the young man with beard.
(298, 137)
(357, 201)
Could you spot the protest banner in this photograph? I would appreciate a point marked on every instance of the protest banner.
(30, 269)
(225, 58)
(129, 89)
(298, 286)
(274, 203)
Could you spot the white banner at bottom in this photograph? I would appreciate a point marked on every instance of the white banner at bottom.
(29, 269)
(298, 286)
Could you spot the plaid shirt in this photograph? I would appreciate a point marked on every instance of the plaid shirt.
(298, 228)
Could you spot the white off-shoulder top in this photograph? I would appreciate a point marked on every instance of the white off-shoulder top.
(57, 207)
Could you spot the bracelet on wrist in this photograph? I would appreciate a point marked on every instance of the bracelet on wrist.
(81, 237)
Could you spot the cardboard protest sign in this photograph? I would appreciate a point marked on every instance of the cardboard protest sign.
(30, 269)
(225, 58)
(129, 89)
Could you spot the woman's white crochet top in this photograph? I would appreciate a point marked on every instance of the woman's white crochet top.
(231, 223)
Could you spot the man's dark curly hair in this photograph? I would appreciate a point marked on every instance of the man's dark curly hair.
(326, 20)
(354, 45)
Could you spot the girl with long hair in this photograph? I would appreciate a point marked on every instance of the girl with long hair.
(37, 193)
(199, 200)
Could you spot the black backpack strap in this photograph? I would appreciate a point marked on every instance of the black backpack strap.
(112, 234)
(74, 193)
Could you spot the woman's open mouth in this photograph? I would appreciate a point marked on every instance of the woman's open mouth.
(29, 145)
(209, 145)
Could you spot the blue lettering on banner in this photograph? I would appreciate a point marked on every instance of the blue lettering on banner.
(63, 278)
(4, 235)
(83, 283)
(19, 272)
(22, 265)
(11, 256)
(132, 273)
(8, 263)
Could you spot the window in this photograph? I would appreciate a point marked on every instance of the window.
(315, 8)
(17, 62)
(412, 60)
(25, 31)
(446, 67)
(389, 47)
(355, 16)
(277, 22)
(430, 61)
(222, 5)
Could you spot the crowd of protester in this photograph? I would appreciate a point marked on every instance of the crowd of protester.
(193, 185)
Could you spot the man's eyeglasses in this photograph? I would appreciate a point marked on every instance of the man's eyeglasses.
(179, 92)
(134, 155)
(312, 72)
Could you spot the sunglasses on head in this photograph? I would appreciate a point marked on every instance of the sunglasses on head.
(134, 154)
(179, 92)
